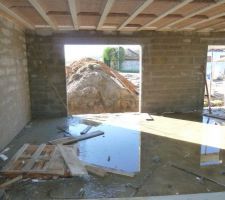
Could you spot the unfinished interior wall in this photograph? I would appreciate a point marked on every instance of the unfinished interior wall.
(46, 76)
(172, 78)
(14, 89)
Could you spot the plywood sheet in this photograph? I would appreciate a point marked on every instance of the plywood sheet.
(193, 7)
(160, 6)
(166, 20)
(93, 6)
(210, 23)
(190, 21)
(143, 19)
(54, 5)
(126, 6)
(214, 11)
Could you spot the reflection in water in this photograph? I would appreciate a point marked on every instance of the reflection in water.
(209, 155)
(118, 148)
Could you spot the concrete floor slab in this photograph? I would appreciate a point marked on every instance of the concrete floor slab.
(157, 177)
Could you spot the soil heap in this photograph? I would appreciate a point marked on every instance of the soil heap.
(93, 87)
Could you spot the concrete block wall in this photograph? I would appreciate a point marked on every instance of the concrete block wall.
(46, 77)
(14, 88)
(173, 67)
(172, 78)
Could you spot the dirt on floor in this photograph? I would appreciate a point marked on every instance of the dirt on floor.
(159, 159)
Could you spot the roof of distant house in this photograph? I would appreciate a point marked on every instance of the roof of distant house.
(132, 54)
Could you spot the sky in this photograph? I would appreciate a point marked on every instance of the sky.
(76, 52)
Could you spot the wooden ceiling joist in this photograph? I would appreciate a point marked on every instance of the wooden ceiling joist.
(220, 29)
(203, 21)
(193, 14)
(15, 16)
(136, 12)
(42, 12)
(178, 6)
(212, 25)
(105, 12)
(73, 11)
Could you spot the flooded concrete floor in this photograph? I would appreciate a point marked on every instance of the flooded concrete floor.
(158, 156)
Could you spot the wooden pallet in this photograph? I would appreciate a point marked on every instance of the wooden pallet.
(35, 161)
(47, 161)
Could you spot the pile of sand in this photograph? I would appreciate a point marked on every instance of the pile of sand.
(93, 87)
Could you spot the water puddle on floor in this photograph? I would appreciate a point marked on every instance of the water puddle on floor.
(118, 148)
(210, 156)
(124, 149)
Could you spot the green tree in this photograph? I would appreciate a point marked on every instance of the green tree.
(107, 55)
(114, 57)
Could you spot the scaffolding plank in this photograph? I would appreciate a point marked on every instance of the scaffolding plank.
(70, 157)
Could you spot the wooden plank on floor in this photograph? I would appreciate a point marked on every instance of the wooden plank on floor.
(89, 135)
(86, 130)
(34, 157)
(117, 171)
(108, 170)
(10, 182)
(70, 157)
(71, 140)
(61, 140)
(96, 170)
(15, 157)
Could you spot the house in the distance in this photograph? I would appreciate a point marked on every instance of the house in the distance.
(131, 62)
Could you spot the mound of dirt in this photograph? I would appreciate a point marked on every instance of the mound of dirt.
(93, 87)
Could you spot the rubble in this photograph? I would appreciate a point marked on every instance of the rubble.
(93, 87)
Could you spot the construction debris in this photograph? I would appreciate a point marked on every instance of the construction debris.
(3, 157)
(96, 170)
(63, 130)
(50, 161)
(73, 163)
(93, 87)
(86, 130)
(11, 181)
(71, 140)
(2, 154)
(36, 161)
(105, 170)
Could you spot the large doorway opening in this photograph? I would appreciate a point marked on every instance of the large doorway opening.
(215, 75)
(215, 78)
(103, 78)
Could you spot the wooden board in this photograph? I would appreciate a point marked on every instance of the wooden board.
(88, 135)
(102, 171)
(63, 140)
(71, 140)
(86, 130)
(10, 182)
(96, 170)
(70, 157)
